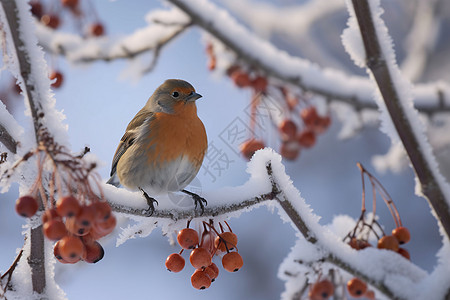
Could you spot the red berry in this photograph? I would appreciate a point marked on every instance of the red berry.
(259, 84)
(288, 129)
(232, 262)
(212, 271)
(101, 229)
(57, 254)
(321, 290)
(249, 147)
(36, 9)
(356, 287)
(68, 206)
(370, 295)
(50, 214)
(103, 211)
(290, 150)
(402, 235)
(93, 252)
(359, 244)
(322, 124)
(54, 229)
(200, 280)
(175, 262)
(97, 29)
(187, 238)
(51, 21)
(307, 138)
(86, 216)
(200, 258)
(226, 240)
(58, 79)
(71, 248)
(388, 242)
(309, 116)
(75, 228)
(240, 78)
(405, 253)
(26, 206)
(69, 3)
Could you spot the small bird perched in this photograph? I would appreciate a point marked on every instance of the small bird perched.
(163, 146)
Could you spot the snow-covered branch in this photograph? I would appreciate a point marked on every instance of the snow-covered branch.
(80, 50)
(395, 91)
(262, 55)
(269, 181)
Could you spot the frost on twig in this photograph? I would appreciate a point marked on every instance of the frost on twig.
(263, 56)
(269, 182)
(395, 99)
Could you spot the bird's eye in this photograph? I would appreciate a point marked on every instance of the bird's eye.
(175, 94)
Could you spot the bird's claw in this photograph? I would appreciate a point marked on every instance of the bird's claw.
(150, 202)
(198, 200)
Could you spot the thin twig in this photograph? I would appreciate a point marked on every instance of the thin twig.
(251, 55)
(378, 65)
(7, 140)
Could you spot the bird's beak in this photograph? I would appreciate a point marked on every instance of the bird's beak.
(193, 96)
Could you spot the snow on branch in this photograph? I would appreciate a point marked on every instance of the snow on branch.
(400, 120)
(151, 38)
(330, 83)
(269, 185)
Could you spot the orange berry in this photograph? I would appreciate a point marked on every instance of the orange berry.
(54, 229)
(187, 238)
(359, 244)
(370, 295)
(51, 21)
(290, 150)
(50, 214)
(175, 262)
(69, 3)
(307, 138)
(58, 79)
(86, 216)
(240, 78)
(101, 229)
(212, 271)
(321, 290)
(97, 29)
(57, 254)
(260, 84)
(200, 258)
(249, 147)
(226, 240)
(26, 206)
(322, 124)
(232, 262)
(405, 253)
(402, 235)
(103, 211)
(75, 228)
(356, 287)
(71, 248)
(309, 116)
(93, 252)
(67, 206)
(200, 280)
(288, 129)
(212, 62)
(388, 242)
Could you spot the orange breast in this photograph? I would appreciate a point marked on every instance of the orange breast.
(174, 135)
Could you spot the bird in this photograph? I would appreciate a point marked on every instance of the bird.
(163, 147)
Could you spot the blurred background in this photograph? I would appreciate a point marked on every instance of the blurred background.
(99, 101)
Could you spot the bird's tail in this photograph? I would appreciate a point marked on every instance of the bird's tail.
(114, 181)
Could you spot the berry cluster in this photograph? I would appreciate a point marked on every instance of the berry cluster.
(300, 124)
(76, 219)
(203, 250)
(52, 13)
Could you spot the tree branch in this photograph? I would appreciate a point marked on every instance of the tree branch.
(332, 255)
(378, 65)
(7, 140)
(307, 76)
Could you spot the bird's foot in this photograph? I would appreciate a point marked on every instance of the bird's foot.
(198, 201)
(150, 202)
